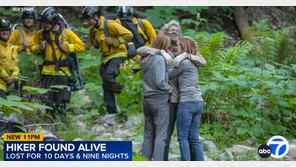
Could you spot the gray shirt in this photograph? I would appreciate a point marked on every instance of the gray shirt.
(187, 74)
(154, 76)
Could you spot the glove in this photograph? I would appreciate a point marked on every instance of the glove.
(115, 42)
(64, 45)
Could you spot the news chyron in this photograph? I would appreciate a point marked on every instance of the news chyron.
(31, 147)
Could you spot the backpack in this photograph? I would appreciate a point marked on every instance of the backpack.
(140, 21)
(138, 39)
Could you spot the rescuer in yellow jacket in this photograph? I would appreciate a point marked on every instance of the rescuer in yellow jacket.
(71, 44)
(145, 28)
(8, 59)
(54, 42)
(113, 51)
(23, 36)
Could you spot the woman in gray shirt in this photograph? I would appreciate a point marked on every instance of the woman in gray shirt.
(190, 106)
(156, 90)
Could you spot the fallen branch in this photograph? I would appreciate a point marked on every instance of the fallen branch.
(42, 124)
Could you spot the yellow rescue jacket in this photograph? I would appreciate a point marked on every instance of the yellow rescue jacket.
(8, 63)
(116, 31)
(17, 39)
(151, 35)
(148, 28)
(72, 44)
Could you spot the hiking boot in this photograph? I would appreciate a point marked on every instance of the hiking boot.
(112, 110)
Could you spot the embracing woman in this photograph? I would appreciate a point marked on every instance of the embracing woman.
(190, 106)
(156, 90)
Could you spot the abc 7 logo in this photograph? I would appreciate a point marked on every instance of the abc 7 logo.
(277, 147)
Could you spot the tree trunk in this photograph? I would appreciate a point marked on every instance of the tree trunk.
(241, 20)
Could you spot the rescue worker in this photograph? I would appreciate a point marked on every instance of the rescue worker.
(145, 28)
(8, 59)
(55, 42)
(113, 51)
(21, 38)
(24, 35)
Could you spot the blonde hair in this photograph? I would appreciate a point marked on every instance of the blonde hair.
(161, 42)
(188, 46)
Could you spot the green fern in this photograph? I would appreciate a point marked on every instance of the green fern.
(285, 47)
(273, 45)
(240, 50)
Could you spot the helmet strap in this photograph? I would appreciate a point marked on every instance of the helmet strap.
(97, 22)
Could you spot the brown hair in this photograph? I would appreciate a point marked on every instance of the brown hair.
(188, 46)
(161, 42)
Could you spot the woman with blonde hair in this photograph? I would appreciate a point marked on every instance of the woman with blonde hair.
(190, 105)
(156, 92)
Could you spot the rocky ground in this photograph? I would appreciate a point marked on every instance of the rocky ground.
(110, 130)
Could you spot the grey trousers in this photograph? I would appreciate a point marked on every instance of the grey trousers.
(156, 112)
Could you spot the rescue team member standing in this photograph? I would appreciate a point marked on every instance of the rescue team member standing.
(113, 51)
(24, 35)
(8, 59)
(145, 28)
(55, 42)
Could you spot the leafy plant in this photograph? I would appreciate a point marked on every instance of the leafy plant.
(70, 130)
(130, 100)
(14, 103)
(159, 15)
(246, 92)
(30, 67)
(10, 12)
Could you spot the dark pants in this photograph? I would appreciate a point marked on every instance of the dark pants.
(109, 71)
(56, 99)
(172, 120)
(2, 94)
(156, 112)
(135, 71)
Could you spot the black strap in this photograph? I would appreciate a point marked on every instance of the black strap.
(105, 28)
(69, 61)
(106, 31)
(54, 57)
(67, 55)
(140, 21)
(61, 63)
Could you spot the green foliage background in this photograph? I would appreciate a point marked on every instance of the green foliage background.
(249, 89)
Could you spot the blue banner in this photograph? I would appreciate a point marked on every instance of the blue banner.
(68, 151)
